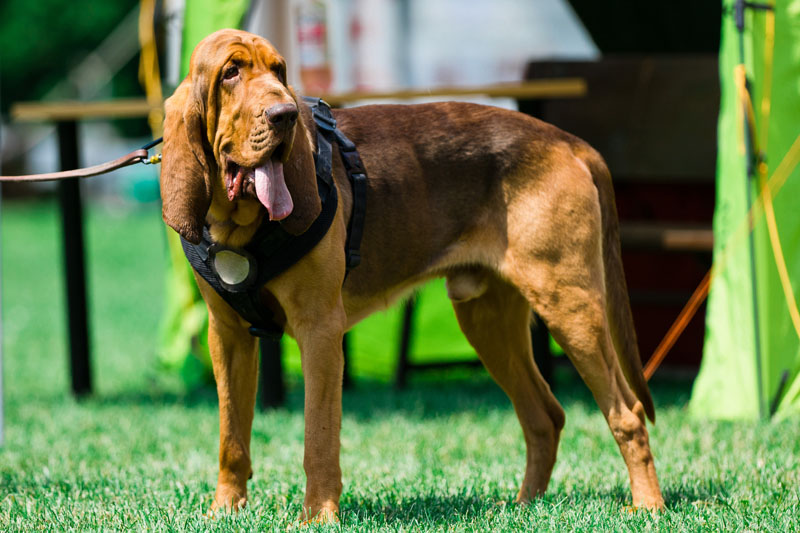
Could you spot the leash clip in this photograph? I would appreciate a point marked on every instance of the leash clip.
(152, 160)
(155, 159)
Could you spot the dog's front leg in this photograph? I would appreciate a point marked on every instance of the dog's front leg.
(234, 355)
(320, 342)
(318, 323)
(235, 358)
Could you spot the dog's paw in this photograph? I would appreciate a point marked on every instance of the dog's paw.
(327, 513)
(228, 499)
(652, 504)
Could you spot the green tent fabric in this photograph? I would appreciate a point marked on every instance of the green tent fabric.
(736, 380)
(203, 17)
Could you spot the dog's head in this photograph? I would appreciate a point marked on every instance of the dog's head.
(233, 135)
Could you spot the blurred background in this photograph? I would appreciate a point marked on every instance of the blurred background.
(649, 100)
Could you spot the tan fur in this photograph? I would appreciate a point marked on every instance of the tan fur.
(516, 214)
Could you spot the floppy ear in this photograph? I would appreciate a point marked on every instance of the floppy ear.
(301, 178)
(185, 172)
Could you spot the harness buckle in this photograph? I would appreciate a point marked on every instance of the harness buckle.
(325, 121)
(323, 116)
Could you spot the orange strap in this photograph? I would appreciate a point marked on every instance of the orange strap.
(675, 331)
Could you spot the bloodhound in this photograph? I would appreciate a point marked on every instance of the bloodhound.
(516, 214)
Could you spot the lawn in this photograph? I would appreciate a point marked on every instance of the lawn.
(445, 454)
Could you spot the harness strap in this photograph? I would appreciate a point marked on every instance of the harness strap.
(358, 180)
(356, 174)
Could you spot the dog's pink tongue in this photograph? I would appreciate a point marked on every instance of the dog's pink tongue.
(271, 190)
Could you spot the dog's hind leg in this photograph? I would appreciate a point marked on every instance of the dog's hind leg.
(576, 318)
(556, 260)
(496, 323)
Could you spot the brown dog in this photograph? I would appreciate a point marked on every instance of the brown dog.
(514, 213)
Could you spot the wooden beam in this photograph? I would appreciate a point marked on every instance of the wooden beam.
(74, 110)
(529, 90)
(138, 107)
(666, 236)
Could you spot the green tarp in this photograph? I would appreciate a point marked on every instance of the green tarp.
(203, 17)
(736, 380)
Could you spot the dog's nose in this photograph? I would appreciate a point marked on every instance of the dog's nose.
(282, 116)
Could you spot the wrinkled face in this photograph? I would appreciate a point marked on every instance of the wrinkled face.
(256, 114)
(229, 129)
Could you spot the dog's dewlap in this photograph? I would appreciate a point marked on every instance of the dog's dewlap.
(231, 267)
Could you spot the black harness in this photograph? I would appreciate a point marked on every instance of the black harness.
(273, 250)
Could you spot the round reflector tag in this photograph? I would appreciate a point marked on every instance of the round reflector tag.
(234, 269)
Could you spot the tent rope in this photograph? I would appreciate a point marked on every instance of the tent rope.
(677, 328)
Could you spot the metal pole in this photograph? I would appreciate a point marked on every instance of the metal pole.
(173, 16)
(2, 394)
(540, 339)
(750, 171)
(2, 407)
(272, 392)
(403, 364)
(72, 223)
(754, 288)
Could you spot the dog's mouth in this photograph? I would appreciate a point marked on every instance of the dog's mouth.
(264, 182)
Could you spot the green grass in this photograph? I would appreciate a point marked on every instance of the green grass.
(141, 453)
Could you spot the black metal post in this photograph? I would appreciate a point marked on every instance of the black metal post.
(69, 195)
(405, 345)
(2, 394)
(540, 338)
(272, 392)
(347, 381)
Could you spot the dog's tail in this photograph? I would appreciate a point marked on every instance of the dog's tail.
(618, 307)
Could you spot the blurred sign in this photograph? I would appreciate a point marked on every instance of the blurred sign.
(312, 40)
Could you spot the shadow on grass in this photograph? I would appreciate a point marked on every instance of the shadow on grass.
(428, 396)
(432, 508)
(704, 492)
(421, 508)
(201, 397)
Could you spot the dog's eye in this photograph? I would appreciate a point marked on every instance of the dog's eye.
(230, 72)
(280, 72)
